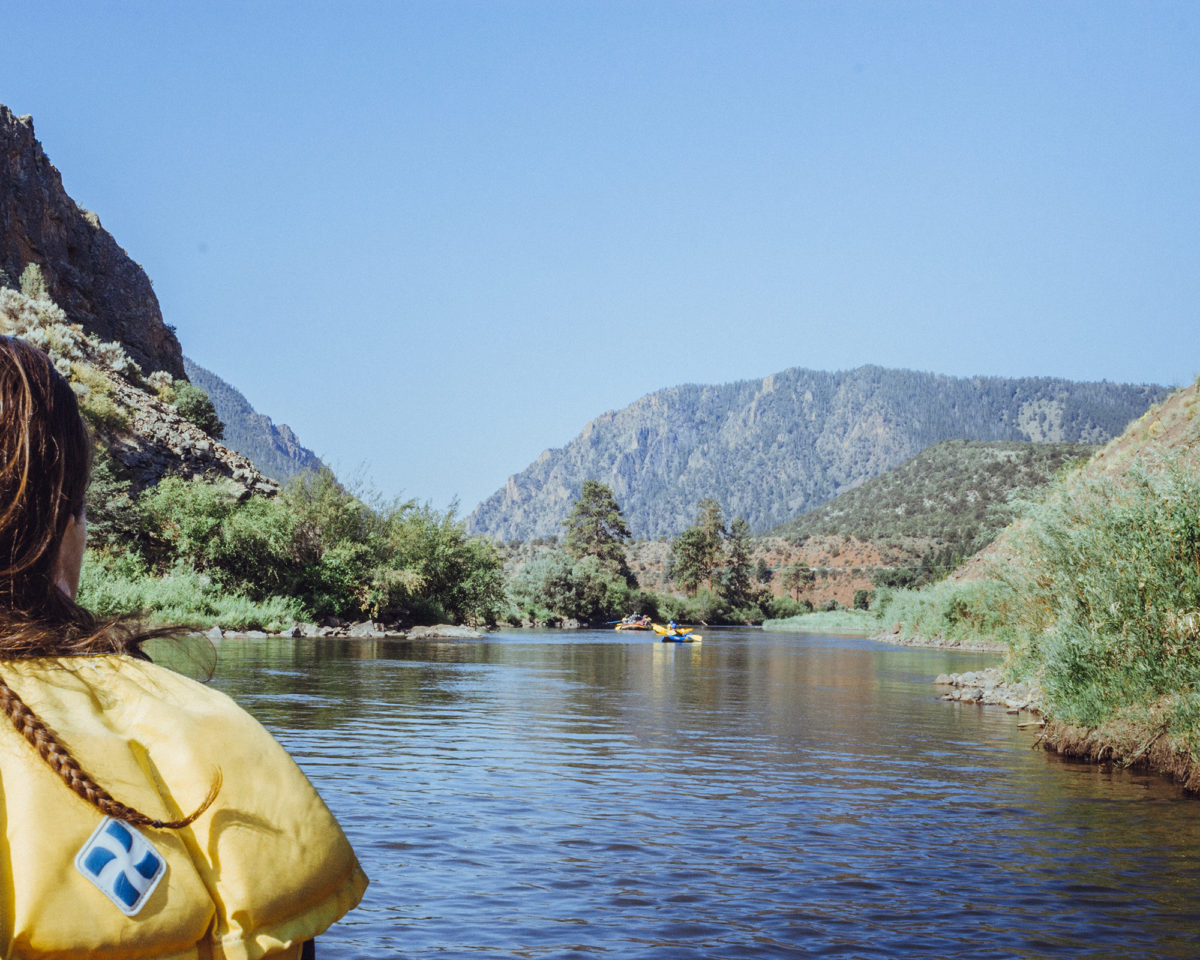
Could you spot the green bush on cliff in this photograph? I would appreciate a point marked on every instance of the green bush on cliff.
(33, 283)
(194, 404)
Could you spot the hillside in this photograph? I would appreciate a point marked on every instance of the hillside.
(132, 415)
(956, 492)
(1167, 431)
(1095, 590)
(182, 529)
(775, 448)
(274, 448)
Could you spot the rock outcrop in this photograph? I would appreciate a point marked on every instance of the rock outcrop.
(159, 442)
(147, 435)
(88, 274)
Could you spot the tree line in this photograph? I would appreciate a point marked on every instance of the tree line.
(589, 579)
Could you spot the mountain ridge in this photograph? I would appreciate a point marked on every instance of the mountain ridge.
(772, 448)
(273, 447)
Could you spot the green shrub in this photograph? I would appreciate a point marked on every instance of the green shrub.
(1112, 588)
(586, 589)
(194, 405)
(33, 283)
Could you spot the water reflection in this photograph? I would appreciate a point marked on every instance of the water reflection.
(558, 795)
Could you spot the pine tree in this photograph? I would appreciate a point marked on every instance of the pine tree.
(735, 584)
(797, 577)
(596, 528)
(698, 551)
(688, 559)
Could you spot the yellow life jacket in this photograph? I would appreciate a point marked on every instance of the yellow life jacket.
(264, 869)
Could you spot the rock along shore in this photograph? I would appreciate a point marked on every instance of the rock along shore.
(364, 630)
(985, 687)
(988, 686)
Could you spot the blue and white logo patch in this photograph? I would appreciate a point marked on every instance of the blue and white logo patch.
(122, 864)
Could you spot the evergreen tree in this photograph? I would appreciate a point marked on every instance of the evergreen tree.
(797, 577)
(698, 551)
(712, 528)
(596, 528)
(763, 573)
(735, 584)
(689, 558)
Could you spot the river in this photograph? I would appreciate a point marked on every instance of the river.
(592, 793)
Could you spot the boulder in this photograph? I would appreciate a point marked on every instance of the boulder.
(444, 631)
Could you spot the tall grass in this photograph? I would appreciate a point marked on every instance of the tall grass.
(1112, 619)
(855, 623)
(1098, 598)
(965, 613)
(111, 586)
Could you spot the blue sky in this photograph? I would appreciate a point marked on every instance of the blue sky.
(438, 238)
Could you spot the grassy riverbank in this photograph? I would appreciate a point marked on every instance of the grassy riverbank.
(845, 623)
(193, 552)
(1095, 594)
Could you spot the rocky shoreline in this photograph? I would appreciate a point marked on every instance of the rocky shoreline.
(986, 687)
(1115, 743)
(364, 630)
(989, 687)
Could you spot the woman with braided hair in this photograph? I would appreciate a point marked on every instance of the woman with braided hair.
(142, 814)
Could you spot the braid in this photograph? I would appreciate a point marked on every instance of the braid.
(56, 754)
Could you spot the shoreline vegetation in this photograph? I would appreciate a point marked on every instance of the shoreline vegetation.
(1093, 595)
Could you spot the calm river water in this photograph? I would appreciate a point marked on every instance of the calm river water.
(587, 794)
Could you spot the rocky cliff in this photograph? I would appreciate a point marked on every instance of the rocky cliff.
(87, 272)
(774, 448)
(145, 433)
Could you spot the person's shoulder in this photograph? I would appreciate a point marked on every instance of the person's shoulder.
(123, 689)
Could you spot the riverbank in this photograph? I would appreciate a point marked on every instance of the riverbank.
(1141, 746)
(951, 643)
(1144, 745)
(363, 630)
(843, 623)
(989, 687)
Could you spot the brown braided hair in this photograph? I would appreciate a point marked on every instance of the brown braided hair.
(45, 465)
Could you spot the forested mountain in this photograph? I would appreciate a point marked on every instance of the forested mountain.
(957, 492)
(774, 448)
(274, 448)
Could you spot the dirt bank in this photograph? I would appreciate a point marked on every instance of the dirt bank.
(1126, 745)
(1119, 743)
